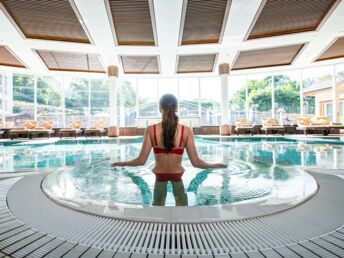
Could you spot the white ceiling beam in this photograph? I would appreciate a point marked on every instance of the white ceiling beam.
(240, 18)
(13, 39)
(168, 17)
(332, 28)
(61, 46)
(199, 49)
(278, 41)
(96, 20)
(137, 50)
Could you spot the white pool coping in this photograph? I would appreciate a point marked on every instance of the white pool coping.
(262, 206)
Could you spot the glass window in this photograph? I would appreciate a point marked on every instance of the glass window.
(237, 97)
(100, 101)
(23, 99)
(127, 103)
(1, 101)
(340, 91)
(317, 84)
(188, 97)
(168, 86)
(1, 83)
(210, 101)
(287, 96)
(49, 100)
(328, 110)
(148, 97)
(259, 97)
(77, 101)
(341, 112)
(340, 72)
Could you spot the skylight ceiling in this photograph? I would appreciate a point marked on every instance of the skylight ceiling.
(47, 19)
(336, 50)
(68, 61)
(196, 63)
(204, 21)
(133, 21)
(169, 37)
(8, 59)
(280, 17)
(267, 57)
(140, 64)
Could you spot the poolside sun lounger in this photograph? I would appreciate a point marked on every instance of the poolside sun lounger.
(270, 126)
(69, 132)
(72, 131)
(23, 131)
(242, 126)
(317, 123)
(97, 130)
(19, 133)
(44, 129)
(40, 132)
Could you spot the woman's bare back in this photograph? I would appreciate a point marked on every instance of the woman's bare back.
(168, 162)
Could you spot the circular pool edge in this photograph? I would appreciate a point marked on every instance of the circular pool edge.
(262, 206)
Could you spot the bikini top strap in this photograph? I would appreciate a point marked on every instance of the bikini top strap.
(155, 139)
(181, 137)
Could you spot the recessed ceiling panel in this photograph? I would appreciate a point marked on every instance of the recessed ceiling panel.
(279, 17)
(204, 21)
(267, 57)
(8, 59)
(132, 22)
(336, 50)
(196, 63)
(72, 62)
(140, 64)
(46, 19)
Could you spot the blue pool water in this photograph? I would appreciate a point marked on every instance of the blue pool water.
(257, 168)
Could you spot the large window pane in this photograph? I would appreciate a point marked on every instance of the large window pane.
(340, 91)
(7, 101)
(127, 103)
(259, 97)
(210, 101)
(188, 96)
(237, 97)
(2, 85)
(148, 97)
(100, 101)
(23, 98)
(168, 86)
(287, 96)
(49, 100)
(317, 83)
(77, 101)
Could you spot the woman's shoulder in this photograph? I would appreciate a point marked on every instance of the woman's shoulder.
(186, 128)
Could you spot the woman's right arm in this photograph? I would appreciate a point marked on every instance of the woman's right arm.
(193, 155)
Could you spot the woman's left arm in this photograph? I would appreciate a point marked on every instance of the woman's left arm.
(142, 157)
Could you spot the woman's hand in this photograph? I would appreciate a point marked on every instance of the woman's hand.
(220, 165)
(119, 164)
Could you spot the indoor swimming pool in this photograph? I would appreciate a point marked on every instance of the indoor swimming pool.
(258, 169)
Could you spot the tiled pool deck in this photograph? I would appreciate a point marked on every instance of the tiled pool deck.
(39, 227)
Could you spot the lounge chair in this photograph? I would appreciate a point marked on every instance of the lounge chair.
(317, 123)
(242, 126)
(23, 131)
(2, 131)
(271, 126)
(44, 129)
(97, 129)
(72, 131)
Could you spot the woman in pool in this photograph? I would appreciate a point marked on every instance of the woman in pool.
(168, 140)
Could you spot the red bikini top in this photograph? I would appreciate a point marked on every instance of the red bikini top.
(178, 151)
